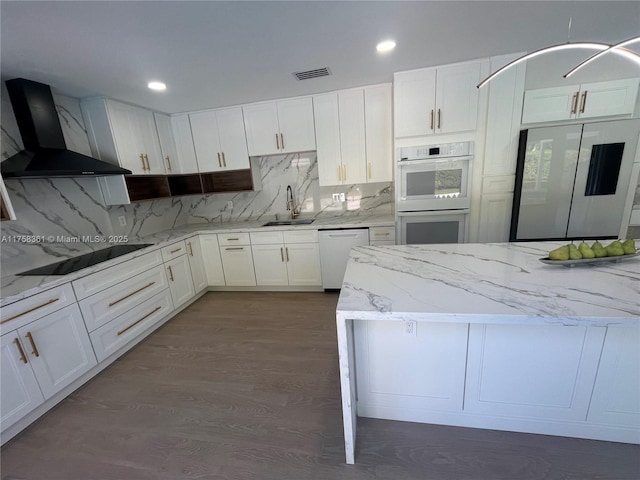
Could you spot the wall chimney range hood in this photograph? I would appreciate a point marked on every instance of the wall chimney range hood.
(45, 153)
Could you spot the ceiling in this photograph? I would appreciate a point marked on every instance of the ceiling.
(215, 53)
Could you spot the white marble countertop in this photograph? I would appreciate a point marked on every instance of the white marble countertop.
(487, 283)
(14, 287)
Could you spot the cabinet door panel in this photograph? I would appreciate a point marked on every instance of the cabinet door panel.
(549, 104)
(149, 140)
(270, 265)
(167, 143)
(261, 127)
(204, 127)
(194, 253)
(327, 120)
(379, 139)
(608, 98)
(352, 136)
(457, 98)
(238, 266)
(495, 217)
(63, 349)
(414, 101)
(233, 142)
(295, 118)
(211, 260)
(180, 280)
(126, 134)
(187, 162)
(303, 264)
(20, 391)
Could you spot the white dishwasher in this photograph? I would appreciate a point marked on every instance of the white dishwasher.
(334, 253)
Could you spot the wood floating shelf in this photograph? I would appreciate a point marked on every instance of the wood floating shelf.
(150, 187)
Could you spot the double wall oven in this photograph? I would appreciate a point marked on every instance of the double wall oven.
(433, 194)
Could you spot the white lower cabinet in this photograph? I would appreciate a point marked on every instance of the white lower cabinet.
(211, 261)
(180, 280)
(616, 395)
(20, 391)
(194, 254)
(303, 263)
(109, 338)
(237, 262)
(495, 217)
(270, 264)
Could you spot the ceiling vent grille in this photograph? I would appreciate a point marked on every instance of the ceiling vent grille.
(318, 72)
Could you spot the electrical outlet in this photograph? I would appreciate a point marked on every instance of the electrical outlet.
(230, 205)
(336, 197)
(410, 328)
(122, 220)
(342, 197)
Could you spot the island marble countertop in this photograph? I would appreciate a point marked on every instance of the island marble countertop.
(487, 283)
(15, 287)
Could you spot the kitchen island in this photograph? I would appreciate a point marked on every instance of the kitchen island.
(487, 336)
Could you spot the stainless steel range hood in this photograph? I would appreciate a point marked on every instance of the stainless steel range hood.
(45, 153)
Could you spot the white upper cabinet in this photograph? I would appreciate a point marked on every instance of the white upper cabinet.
(589, 100)
(219, 140)
(284, 126)
(186, 152)
(167, 142)
(124, 135)
(353, 133)
(436, 100)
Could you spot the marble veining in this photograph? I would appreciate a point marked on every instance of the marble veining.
(486, 283)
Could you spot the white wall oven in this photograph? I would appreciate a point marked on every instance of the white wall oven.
(433, 193)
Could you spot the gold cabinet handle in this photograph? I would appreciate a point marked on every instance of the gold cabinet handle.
(170, 273)
(234, 248)
(168, 162)
(344, 173)
(190, 249)
(34, 349)
(574, 103)
(277, 142)
(49, 302)
(233, 239)
(385, 234)
(146, 159)
(282, 141)
(219, 160)
(175, 250)
(282, 253)
(144, 167)
(369, 170)
(431, 124)
(130, 294)
(584, 101)
(339, 173)
(286, 252)
(438, 119)
(138, 321)
(23, 357)
(224, 162)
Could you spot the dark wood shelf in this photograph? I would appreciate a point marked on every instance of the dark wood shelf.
(231, 181)
(147, 187)
(189, 184)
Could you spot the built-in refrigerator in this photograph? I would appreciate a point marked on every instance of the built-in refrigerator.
(572, 181)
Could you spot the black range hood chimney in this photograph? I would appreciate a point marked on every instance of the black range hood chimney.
(45, 153)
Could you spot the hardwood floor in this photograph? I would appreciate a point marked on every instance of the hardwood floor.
(245, 386)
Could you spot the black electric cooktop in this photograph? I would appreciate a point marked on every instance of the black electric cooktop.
(83, 261)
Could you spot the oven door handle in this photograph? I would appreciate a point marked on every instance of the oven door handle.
(434, 160)
(423, 213)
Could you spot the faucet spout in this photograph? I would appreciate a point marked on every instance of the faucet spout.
(291, 206)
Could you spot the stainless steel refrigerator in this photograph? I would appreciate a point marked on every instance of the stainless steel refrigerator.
(572, 180)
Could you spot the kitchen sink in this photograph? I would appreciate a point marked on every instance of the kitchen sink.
(278, 223)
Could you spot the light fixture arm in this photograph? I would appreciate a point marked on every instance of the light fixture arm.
(602, 52)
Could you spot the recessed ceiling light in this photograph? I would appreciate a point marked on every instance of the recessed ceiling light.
(158, 86)
(386, 46)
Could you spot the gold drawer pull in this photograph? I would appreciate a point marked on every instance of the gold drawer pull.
(224, 162)
(282, 253)
(170, 273)
(219, 160)
(584, 101)
(33, 344)
(277, 142)
(377, 234)
(286, 252)
(344, 172)
(138, 321)
(131, 294)
(431, 125)
(574, 103)
(144, 167)
(234, 248)
(282, 141)
(23, 357)
(438, 118)
(53, 300)
(369, 170)
(190, 249)
(176, 250)
(168, 162)
(233, 239)
(146, 159)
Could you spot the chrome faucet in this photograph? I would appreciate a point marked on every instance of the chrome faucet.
(291, 205)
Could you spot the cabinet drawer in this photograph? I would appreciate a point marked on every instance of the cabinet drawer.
(381, 243)
(109, 338)
(105, 306)
(36, 306)
(385, 234)
(301, 236)
(234, 239)
(114, 275)
(266, 238)
(174, 250)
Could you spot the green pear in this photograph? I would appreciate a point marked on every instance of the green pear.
(574, 253)
(598, 249)
(561, 253)
(614, 249)
(629, 246)
(586, 250)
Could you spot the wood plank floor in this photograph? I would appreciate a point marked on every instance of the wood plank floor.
(245, 386)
